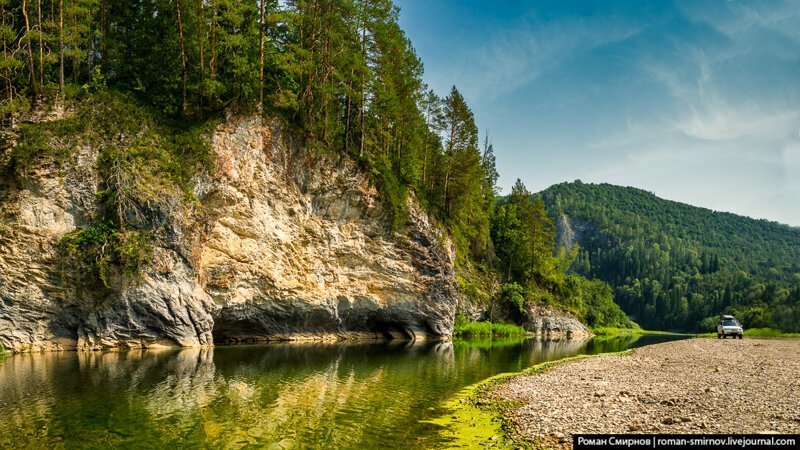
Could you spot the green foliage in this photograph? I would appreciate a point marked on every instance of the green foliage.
(136, 145)
(709, 324)
(465, 328)
(611, 332)
(43, 142)
(84, 257)
(673, 266)
(769, 332)
(155, 152)
(754, 317)
(513, 295)
(468, 289)
(393, 192)
(465, 197)
(477, 283)
(91, 256)
(524, 239)
(596, 303)
(460, 321)
(134, 251)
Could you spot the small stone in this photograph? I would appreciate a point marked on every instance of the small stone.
(634, 427)
(686, 419)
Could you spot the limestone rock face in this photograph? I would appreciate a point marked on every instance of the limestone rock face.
(281, 244)
(570, 231)
(297, 246)
(549, 322)
(34, 214)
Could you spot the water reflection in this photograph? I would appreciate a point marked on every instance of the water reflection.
(273, 396)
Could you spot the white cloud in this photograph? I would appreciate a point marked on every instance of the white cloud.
(704, 112)
(701, 107)
(791, 157)
(515, 56)
(744, 18)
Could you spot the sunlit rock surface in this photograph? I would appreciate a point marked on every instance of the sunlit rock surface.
(549, 322)
(281, 244)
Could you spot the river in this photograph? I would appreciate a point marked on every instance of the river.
(287, 395)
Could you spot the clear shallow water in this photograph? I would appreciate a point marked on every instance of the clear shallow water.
(342, 395)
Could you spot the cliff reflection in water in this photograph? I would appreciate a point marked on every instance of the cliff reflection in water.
(275, 396)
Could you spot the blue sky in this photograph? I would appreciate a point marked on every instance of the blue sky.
(696, 101)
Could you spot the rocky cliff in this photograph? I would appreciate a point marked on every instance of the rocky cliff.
(570, 231)
(279, 244)
(553, 323)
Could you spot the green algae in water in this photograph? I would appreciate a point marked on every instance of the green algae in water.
(474, 420)
(345, 395)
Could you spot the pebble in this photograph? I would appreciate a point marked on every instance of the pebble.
(567, 397)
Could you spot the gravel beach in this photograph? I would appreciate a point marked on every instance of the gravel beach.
(688, 386)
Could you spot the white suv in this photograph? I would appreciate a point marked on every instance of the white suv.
(729, 326)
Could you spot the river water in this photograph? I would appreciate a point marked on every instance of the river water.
(337, 395)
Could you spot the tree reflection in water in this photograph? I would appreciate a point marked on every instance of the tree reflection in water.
(287, 395)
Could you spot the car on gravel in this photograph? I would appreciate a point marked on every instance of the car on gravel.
(729, 326)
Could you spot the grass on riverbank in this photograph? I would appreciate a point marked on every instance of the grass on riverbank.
(475, 420)
(487, 329)
(612, 331)
(759, 332)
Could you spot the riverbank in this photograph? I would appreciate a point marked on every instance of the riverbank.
(688, 386)
(476, 419)
(614, 331)
(760, 333)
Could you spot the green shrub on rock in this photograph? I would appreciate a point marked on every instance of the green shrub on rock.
(91, 255)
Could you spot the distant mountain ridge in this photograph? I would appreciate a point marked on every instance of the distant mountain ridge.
(677, 266)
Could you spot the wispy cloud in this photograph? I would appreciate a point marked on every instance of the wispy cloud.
(696, 101)
(728, 146)
(513, 57)
(703, 111)
(740, 19)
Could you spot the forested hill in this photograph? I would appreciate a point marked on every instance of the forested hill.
(676, 266)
